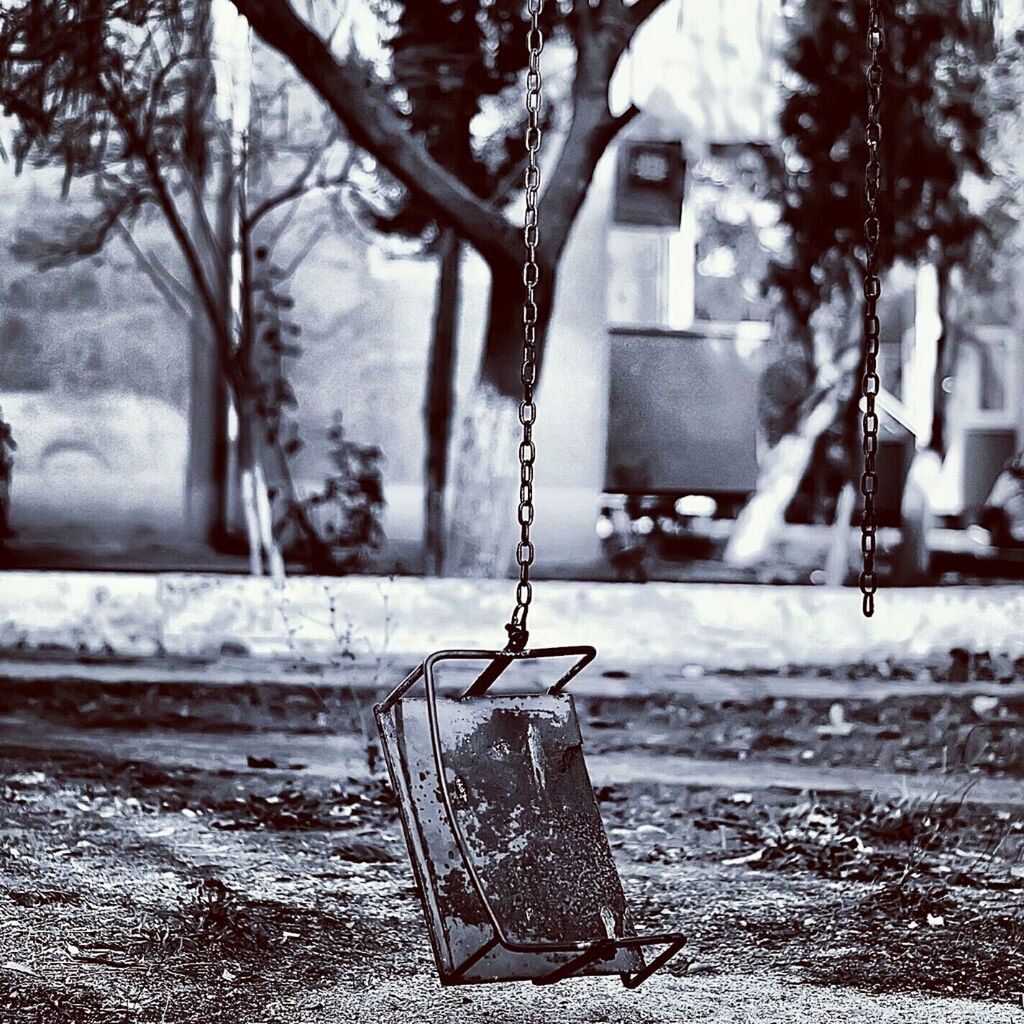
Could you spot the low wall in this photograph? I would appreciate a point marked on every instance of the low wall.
(717, 626)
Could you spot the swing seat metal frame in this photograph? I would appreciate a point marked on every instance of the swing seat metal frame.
(506, 840)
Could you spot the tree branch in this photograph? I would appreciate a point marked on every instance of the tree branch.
(640, 11)
(300, 257)
(372, 124)
(174, 293)
(608, 33)
(593, 129)
(299, 187)
(235, 375)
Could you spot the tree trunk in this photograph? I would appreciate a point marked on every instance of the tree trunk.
(440, 400)
(207, 438)
(913, 557)
(837, 557)
(205, 512)
(763, 516)
(264, 552)
(483, 529)
(945, 361)
(247, 499)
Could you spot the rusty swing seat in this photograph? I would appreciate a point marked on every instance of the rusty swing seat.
(504, 833)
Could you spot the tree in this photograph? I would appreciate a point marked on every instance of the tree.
(450, 59)
(599, 33)
(122, 94)
(932, 131)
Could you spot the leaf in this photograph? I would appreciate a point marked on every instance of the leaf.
(838, 726)
(700, 967)
(983, 705)
(13, 965)
(363, 851)
(27, 779)
(749, 858)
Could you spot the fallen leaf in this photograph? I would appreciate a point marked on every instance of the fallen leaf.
(260, 762)
(838, 726)
(13, 965)
(749, 858)
(700, 967)
(647, 833)
(983, 705)
(27, 779)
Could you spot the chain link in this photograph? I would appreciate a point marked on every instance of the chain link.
(518, 634)
(872, 328)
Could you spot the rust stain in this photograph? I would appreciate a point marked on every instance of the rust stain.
(520, 787)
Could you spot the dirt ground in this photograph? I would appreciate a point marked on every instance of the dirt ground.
(212, 872)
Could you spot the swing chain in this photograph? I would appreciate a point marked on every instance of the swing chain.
(518, 635)
(872, 327)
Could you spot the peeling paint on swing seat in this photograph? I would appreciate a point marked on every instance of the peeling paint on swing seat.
(521, 791)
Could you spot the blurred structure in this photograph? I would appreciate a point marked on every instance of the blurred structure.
(659, 358)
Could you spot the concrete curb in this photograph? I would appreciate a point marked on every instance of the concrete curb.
(715, 626)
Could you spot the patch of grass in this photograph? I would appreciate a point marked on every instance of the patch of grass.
(896, 842)
(211, 914)
(44, 896)
(33, 1001)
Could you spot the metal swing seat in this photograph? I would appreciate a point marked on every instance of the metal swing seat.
(504, 833)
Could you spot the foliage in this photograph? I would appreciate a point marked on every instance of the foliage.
(276, 342)
(932, 129)
(736, 233)
(991, 272)
(106, 90)
(452, 62)
(350, 507)
(340, 525)
(7, 448)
